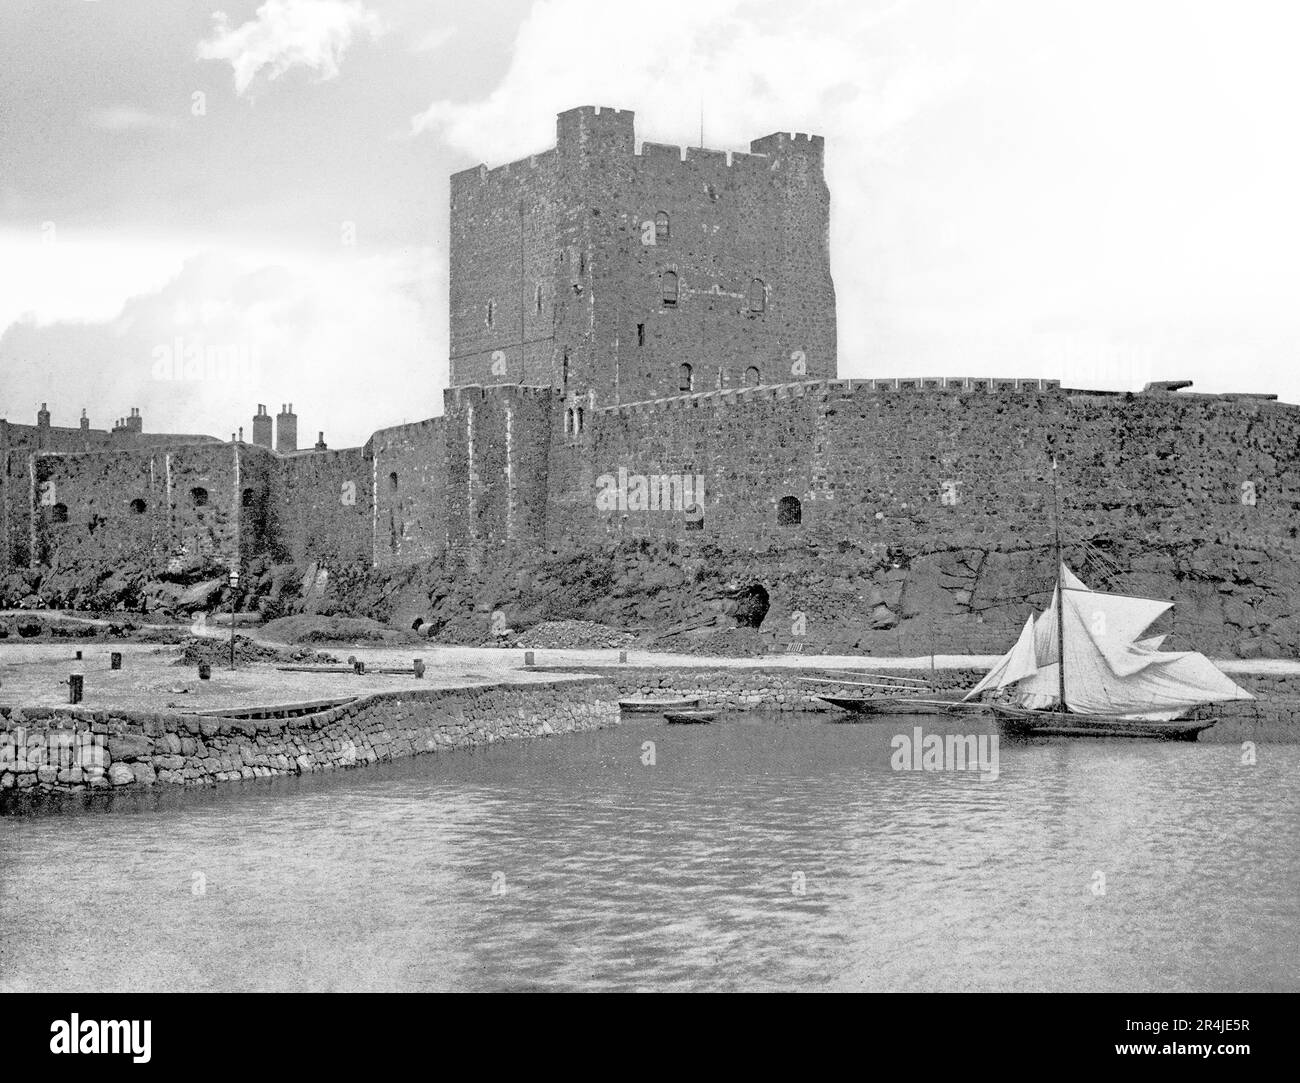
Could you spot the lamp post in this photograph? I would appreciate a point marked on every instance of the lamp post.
(234, 586)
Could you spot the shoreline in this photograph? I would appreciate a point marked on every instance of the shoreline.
(155, 723)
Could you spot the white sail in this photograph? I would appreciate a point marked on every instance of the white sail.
(1108, 672)
(1017, 664)
(1109, 668)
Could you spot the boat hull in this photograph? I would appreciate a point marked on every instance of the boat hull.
(1022, 722)
(656, 706)
(690, 718)
(891, 705)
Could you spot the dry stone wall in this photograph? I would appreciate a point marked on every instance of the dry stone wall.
(44, 750)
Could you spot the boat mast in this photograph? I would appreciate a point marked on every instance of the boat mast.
(1060, 595)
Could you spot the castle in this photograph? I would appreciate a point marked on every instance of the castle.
(630, 327)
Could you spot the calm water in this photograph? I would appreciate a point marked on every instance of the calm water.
(681, 875)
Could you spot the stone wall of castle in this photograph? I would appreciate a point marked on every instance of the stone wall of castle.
(505, 280)
(933, 467)
(933, 504)
(498, 442)
(594, 268)
(18, 495)
(328, 509)
(409, 463)
(915, 513)
(97, 510)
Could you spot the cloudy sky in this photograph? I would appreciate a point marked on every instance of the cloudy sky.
(1104, 192)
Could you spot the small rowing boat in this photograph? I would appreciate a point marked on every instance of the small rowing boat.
(649, 705)
(690, 718)
(892, 705)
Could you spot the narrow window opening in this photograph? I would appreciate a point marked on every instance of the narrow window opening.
(685, 378)
(491, 313)
(537, 298)
(661, 226)
(246, 498)
(59, 513)
(392, 481)
(757, 296)
(640, 334)
(670, 288)
(789, 512)
(199, 497)
(138, 506)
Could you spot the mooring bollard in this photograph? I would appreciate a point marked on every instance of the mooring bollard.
(205, 671)
(622, 656)
(359, 666)
(528, 658)
(115, 660)
(76, 686)
(78, 656)
(419, 668)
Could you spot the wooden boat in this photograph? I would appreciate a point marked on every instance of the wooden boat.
(690, 718)
(1082, 668)
(864, 704)
(1023, 722)
(649, 705)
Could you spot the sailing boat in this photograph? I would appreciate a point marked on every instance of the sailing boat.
(1083, 668)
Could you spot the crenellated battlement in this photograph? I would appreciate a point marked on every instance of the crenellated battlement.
(799, 388)
(480, 180)
(782, 145)
(667, 155)
(910, 386)
(613, 130)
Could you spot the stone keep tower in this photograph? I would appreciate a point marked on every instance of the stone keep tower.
(597, 270)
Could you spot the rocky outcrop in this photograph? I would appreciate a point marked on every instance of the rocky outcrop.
(1230, 600)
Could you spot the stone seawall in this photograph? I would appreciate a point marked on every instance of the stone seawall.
(776, 689)
(49, 750)
(1274, 715)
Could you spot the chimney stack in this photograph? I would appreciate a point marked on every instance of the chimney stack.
(262, 427)
(85, 422)
(135, 423)
(43, 416)
(286, 430)
(320, 442)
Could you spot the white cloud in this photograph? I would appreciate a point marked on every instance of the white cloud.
(288, 34)
(355, 340)
(750, 66)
